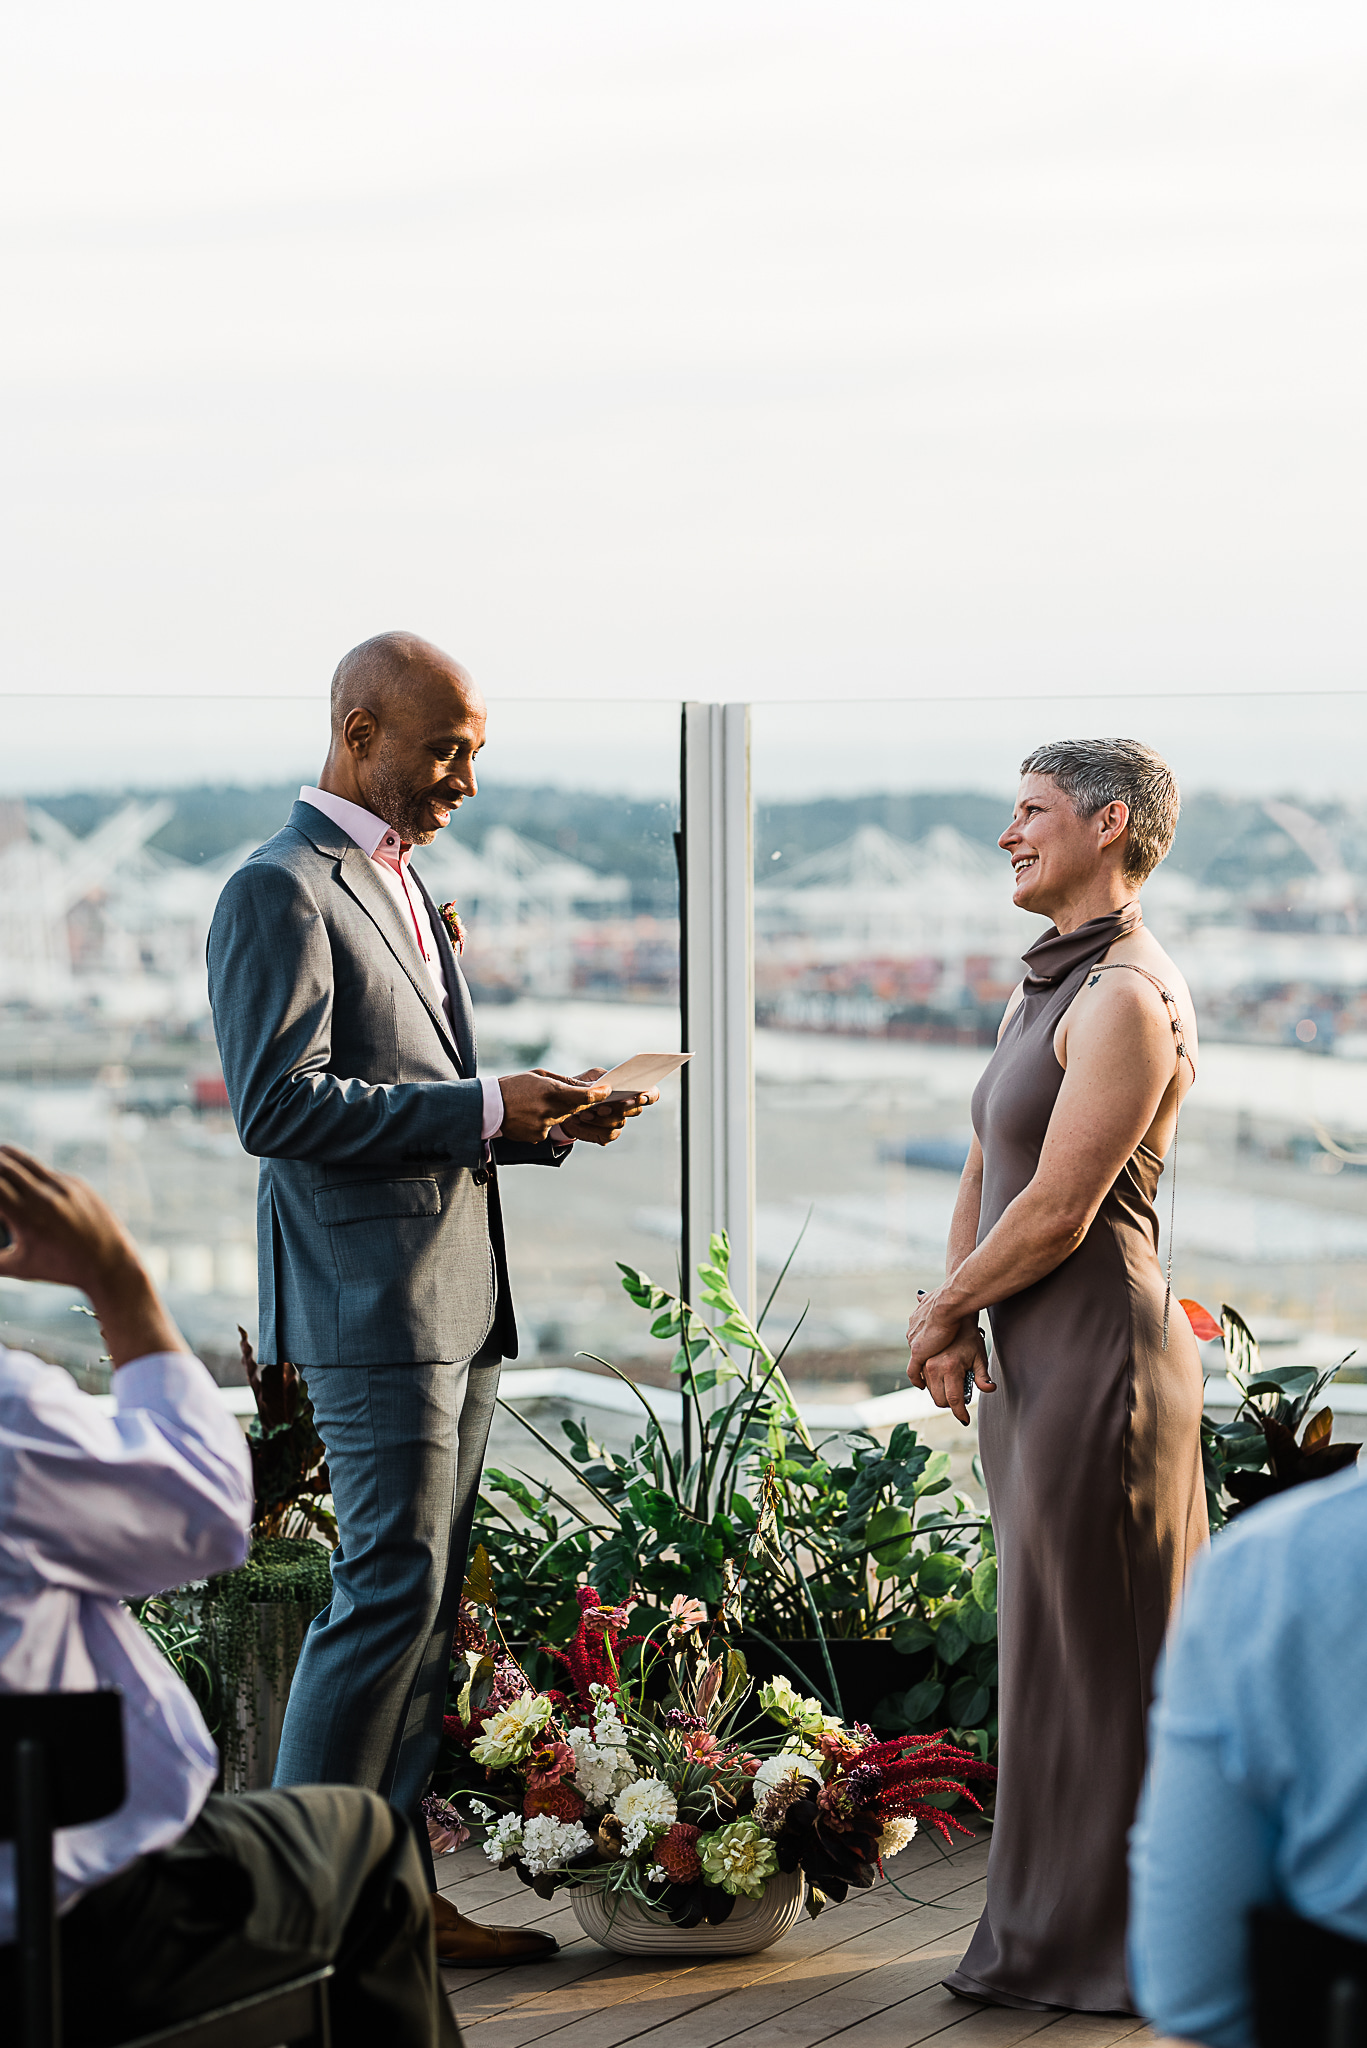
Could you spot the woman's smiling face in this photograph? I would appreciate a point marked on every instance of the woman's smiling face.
(1055, 853)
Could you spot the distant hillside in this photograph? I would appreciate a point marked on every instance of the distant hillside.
(1221, 840)
(615, 835)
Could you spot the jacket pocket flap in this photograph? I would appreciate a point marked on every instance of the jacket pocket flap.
(362, 1201)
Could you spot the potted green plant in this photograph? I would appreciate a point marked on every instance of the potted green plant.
(880, 1592)
(1256, 1454)
(236, 1637)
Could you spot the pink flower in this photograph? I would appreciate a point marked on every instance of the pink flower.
(686, 1614)
(701, 1746)
(548, 1764)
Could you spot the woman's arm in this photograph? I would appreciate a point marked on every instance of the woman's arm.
(945, 1373)
(963, 1228)
(1120, 1063)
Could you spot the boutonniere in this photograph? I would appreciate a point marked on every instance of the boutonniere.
(451, 918)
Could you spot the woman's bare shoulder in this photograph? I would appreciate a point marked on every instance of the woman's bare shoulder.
(1142, 949)
(1136, 993)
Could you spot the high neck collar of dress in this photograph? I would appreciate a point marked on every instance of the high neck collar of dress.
(1058, 954)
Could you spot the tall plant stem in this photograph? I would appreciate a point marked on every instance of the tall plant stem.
(664, 1445)
(796, 1669)
(704, 1437)
(739, 1444)
(572, 1469)
(783, 1274)
(817, 1624)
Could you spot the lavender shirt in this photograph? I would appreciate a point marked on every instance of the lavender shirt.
(96, 1509)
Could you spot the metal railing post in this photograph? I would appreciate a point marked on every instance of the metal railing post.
(718, 989)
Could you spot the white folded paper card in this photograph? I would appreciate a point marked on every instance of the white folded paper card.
(646, 1070)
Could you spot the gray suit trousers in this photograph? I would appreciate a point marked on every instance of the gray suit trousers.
(405, 1447)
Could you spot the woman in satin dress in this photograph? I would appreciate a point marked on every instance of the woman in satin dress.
(1090, 1424)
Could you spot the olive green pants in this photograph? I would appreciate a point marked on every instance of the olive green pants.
(259, 1889)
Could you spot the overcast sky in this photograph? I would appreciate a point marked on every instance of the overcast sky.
(748, 350)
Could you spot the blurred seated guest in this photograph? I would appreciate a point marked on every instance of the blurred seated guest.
(1257, 1785)
(180, 1901)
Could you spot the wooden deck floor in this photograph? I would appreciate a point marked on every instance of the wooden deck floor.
(866, 1974)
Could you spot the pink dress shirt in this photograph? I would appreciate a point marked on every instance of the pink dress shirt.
(390, 856)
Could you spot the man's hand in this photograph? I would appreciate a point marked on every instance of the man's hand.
(604, 1122)
(943, 1353)
(61, 1231)
(534, 1103)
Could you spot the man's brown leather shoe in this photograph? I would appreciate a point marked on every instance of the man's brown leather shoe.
(464, 1945)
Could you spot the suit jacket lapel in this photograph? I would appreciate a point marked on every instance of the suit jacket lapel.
(359, 878)
(462, 1009)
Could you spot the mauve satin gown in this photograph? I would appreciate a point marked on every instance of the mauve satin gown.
(1091, 1447)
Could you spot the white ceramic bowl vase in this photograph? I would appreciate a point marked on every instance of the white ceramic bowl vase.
(621, 1924)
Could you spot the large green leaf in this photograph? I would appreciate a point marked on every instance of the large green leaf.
(888, 1535)
(968, 1702)
(951, 1637)
(1241, 1346)
(922, 1700)
(935, 1477)
(985, 1585)
(938, 1572)
(977, 1624)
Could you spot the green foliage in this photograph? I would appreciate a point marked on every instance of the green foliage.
(175, 1627)
(290, 1485)
(530, 1561)
(1256, 1454)
(216, 1633)
(948, 1586)
(849, 1538)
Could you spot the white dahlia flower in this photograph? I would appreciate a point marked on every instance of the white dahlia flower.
(649, 1803)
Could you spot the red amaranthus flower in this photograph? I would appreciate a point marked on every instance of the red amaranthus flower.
(913, 1766)
(587, 1659)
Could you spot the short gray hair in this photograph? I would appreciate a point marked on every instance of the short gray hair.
(1094, 773)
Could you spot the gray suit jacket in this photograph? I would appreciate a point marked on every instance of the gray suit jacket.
(379, 1234)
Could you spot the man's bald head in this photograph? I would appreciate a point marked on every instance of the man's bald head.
(394, 670)
(407, 723)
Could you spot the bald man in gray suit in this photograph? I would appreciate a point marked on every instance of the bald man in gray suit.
(348, 1045)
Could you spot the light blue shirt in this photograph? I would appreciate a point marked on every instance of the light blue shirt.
(1257, 1785)
(95, 1509)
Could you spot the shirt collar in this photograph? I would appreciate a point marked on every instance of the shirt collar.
(369, 832)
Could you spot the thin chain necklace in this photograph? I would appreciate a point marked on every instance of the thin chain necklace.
(1175, 1019)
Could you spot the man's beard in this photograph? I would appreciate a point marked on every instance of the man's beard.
(401, 807)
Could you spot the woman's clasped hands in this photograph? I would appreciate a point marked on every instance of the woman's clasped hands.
(948, 1353)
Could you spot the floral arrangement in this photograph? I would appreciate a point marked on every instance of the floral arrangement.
(455, 924)
(686, 1787)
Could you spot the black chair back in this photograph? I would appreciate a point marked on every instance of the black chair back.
(1309, 1984)
(61, 1765)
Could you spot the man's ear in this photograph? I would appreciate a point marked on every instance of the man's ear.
(359, 728)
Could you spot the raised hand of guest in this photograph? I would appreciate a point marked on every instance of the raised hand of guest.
(61, 1231)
